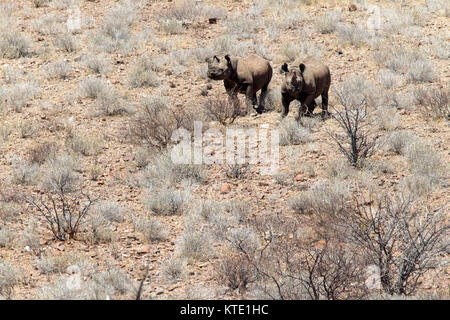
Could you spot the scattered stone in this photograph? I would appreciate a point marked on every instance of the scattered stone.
(352, 7)
(225, 188)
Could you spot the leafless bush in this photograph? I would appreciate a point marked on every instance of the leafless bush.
(99, 229)
(92, 87)
(110, 103)
(151, 228)
(41, 152)
(433, 101)
(388, 118)
(398, 141)
(236, 171)
(30, 237)
(204, 209)
(63, 212)
(242, 27)
(14, 44)
(288, 266)
(389, 79)
(339, 169)
(194, 245)
(409, 62)
(6, 237)
(66, 42)
(161, 172)
(58, 263)
(325, 199)
(10, 276)
(358, 140)
(112, 282)
(154, 124)
(402, 240)
(40, 3)
(97, 63)
(86, 145)
(235, 271)
(19, 95)
(167, 202)
(114, 32)
(174, 268)
(230, 44)
(9, 211)
(111, 211)
(60, 173)
(27, 129)
(143, 73)
(190, 11)
(291, 132)
(353, 35)
(24, 172)
(328, 22)
(58, 70)
(222, 110)
(49, 24)
(425, 161)
(171, 26)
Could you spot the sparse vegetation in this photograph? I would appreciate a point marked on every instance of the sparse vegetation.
(116, 100)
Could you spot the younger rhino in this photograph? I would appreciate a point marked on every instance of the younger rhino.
(305, 81)
(243, 75)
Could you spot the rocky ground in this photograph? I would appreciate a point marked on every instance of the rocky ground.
(43, 103)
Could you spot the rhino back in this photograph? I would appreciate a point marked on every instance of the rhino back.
(256, 70)
(316, 75)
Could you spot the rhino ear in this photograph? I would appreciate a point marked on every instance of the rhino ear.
(302, 67)
(284, 67)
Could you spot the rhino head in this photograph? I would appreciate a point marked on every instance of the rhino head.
(293, 77)
(219, 69)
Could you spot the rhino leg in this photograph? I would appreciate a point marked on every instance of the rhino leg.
(311, 108)
(325, 104)
(305, 106)
(250, 99)
(262, 99)
(286, 101)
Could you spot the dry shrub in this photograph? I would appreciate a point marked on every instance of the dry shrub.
(154, 124)
(235, 271)
(434, 102)
(222, 110)
(41, 152)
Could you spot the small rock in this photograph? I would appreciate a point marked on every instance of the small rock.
(225, 188)
(212, 20)
(299, 177)
(352, 7)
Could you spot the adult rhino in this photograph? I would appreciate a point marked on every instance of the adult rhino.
(242, 75)
(304, 81)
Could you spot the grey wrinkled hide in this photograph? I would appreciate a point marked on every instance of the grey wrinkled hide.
(304, 81)
(242, 75)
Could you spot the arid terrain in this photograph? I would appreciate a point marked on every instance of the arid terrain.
(92, 206)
